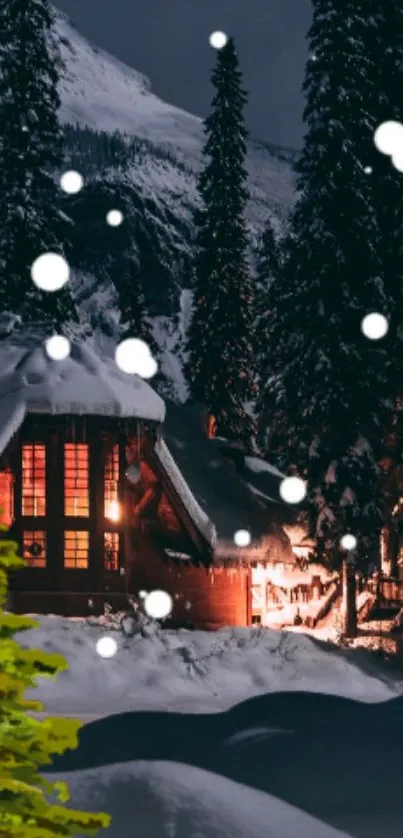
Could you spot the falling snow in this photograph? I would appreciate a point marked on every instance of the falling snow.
(71, 182)
(50, 272)
(114, 218)
(134, 357)
(374, 326)
(158, 604)
(58, 347)
(218, 40)
(292, 489)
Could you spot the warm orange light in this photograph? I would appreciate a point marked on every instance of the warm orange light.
(113, 511)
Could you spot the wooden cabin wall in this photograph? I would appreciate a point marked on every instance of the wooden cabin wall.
(217, 597)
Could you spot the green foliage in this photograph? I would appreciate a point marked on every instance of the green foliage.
(30, 149)
(26, 743)
(328, 397)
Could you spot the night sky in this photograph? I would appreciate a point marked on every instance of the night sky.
(168, 41)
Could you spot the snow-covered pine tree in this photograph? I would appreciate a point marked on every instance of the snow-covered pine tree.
(30, 149)
(220, 341)
(268, 268)
(387, 185)
(131, 298)
(332, 403)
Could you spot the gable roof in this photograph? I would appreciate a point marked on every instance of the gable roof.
(86, 383)
(220, 500)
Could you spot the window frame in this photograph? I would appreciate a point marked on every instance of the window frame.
(53, 433)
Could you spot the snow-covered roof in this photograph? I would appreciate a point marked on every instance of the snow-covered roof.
(197, 514)
(217, 497)
(85, 383)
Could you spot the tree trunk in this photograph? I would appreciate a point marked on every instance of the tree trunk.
(389, 551)
(349, 604)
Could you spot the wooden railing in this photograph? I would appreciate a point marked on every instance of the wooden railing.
(389, 591)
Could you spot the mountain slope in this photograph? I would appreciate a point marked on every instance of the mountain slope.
(152, 177)
(100, 92)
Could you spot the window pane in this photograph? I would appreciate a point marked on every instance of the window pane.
(33, 480)
(76, 548)
(111, 551)
(34, 547)
(111, 485)
(76, 476)
(6, 498)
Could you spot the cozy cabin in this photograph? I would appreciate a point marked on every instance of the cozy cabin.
(68, 428)
(109, 492)
(237, 492)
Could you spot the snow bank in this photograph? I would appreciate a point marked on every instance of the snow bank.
(197, 671)
(171, 800)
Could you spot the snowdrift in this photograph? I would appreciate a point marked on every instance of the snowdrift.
(168, 800)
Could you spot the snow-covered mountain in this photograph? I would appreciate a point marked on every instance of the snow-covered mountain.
(102, 93)
(155, 185)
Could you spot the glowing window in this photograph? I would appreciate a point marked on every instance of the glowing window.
(6, 498)
(76, 549)
(111, 485)
(111, 551)
(34, 547)
(76, 475)
(211, 427)
(33, 480)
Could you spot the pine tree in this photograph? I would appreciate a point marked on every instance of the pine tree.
(30, 149)
(220, 343)
(332, 400)
(268, 268)
(131, 299)
(28, 744)
(387, 191)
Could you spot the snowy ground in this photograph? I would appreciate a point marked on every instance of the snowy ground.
(160, 800)
(260, 744)
(198, 671)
